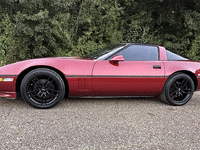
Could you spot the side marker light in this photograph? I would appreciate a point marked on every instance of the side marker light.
(7, 79)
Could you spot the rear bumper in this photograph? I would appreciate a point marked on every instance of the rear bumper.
(8, 94)
(198, 86)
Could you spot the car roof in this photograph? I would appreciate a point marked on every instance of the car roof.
(144, 44)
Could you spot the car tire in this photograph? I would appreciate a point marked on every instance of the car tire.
(42, 88)
(178, 89)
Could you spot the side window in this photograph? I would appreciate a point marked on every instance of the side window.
(172, 56)
(140, 53)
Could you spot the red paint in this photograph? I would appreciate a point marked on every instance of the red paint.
(174, 66)
(118, 86)
(134, 78)
(8, 94)
(87, 77)
(162, 53)
(7, 85)
(198, 87)
(117, 58)
(7, 89)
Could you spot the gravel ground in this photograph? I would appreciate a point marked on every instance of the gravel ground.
(131, 123)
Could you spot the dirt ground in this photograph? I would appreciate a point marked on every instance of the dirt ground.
(131, 123)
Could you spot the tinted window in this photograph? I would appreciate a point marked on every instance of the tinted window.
(105, 52)
(140, 53)
(172, 56)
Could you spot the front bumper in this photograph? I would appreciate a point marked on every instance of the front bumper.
(8, 86)
(8, 94)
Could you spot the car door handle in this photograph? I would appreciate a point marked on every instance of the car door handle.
(156, 67)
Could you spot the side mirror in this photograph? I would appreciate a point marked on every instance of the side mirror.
(117, 58)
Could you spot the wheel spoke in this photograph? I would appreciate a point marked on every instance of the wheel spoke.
(175, 85)
(38, 94)
(35, 90)
(172, 93)
(186, 91)
(37, 83)
(181, 96)
(176, 95)
(184, 82)
(53, 90)
(48, 82)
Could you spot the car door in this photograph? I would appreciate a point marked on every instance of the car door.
(140, 74)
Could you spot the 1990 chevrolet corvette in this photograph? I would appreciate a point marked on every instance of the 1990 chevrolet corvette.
(125, 69)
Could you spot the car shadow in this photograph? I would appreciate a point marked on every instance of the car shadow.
(19, 102)
(136, 100)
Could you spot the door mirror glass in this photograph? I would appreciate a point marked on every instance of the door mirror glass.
(117, 58)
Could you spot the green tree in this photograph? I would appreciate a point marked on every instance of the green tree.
(97, 23)
(6, 37)
(39, 30)
(173, 23)
(46, 28)
(194, 52)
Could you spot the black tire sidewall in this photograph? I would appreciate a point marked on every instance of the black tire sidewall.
(38, 72)
(168, 85)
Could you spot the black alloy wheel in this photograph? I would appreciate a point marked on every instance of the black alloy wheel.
(42, 88)
(178, 89)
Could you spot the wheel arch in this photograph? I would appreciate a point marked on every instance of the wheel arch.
(189, 73)
(27, 70)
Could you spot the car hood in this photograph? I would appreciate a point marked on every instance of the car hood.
(59, 63)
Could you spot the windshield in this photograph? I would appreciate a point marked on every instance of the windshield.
(102, 54)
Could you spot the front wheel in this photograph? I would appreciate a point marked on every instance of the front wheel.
(178, 90)
(42, 88)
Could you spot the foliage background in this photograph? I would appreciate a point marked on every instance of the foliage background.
(46, 28)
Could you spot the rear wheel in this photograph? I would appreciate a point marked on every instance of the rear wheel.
(178, 90)
(42, 88)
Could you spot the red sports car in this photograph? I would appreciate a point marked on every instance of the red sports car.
(125, 69)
